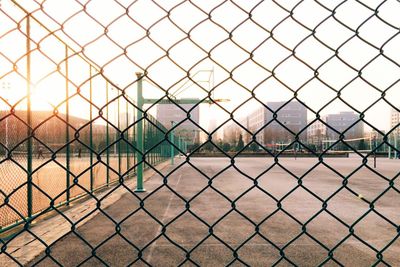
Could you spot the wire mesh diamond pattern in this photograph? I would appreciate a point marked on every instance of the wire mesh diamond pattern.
(191, 133)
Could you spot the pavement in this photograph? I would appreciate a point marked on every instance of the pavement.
(173, 226)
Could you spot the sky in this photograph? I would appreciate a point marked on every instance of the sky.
(171, 40)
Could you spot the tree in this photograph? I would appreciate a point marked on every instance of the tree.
(312, 147)
(192, 147)
(240, 143)
(253, 147)
(226, 147)
(209, 146)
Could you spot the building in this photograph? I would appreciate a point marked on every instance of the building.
(316, 132)
(346, 122)
(214, 127)
(166, 113)
(256, 120)
(395, 121)
(289, 116)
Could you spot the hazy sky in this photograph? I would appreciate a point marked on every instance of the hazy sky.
(194, 41)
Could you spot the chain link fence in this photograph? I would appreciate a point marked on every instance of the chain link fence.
(51, 121)
(82, 85)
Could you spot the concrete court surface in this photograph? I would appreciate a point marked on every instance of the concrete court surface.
(184, 233)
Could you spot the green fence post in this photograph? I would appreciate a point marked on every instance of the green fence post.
(150, 134)
(91, 128)
(134, 139)
(145, 142)
(163, 150)
(67, 154)
(179, 145)
(162, 145)
(153, 136)
(159, 146)
(127, 138)
(118, 133)
(29, 117)
(148, 139)
(374, 143)
(176, 142)
(172, 137)
(166, 146)
(139, 134)
(107, 139)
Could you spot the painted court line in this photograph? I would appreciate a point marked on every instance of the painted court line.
(152, 247)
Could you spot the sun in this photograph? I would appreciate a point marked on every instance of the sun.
(47, 95)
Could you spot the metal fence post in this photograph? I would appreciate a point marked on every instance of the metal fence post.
(119, 133)
(155, 137)
(29, 117)
(153, 142)
(67, 154)
(139, 134)
(165, 146)
(149, 143)
(127, 137)
(159, 147)
(91, 129)
(172, 137)
(374, 152)
(107, 140)
(179, 146)
(185, 148)
(134, 139)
